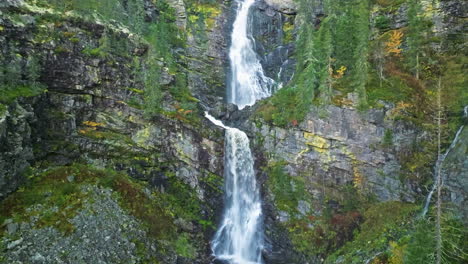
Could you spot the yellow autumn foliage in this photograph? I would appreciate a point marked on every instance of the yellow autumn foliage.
(340, 72)
(92, 124)
(392, 46)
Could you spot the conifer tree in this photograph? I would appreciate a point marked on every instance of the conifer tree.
(12, 72)
(343, 32)
(136, 13)
(323, 48)
(33, 69)
(415, 36)
(360, 14)
(421, 247)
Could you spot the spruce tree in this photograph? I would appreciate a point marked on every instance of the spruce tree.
(12, 73)
(343, 32)
(323, 48)
(421, 247)
(33, 72)
(415, 36)
(136, 16)
(360, 14)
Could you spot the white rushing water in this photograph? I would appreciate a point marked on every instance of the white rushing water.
(239, 238)
(248, 81)
(440, 162)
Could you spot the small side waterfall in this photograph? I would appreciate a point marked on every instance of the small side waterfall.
(440, 162)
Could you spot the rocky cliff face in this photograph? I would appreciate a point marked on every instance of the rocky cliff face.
(92, 113)
(273, 30)
(17, 153)
(340, 147)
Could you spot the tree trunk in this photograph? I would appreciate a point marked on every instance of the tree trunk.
(438, 230)
(417, 65)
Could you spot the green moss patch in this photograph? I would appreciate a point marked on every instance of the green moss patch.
(287, 190)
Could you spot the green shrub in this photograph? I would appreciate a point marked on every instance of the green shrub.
(184, 248)
(382, 22)
(388, 138)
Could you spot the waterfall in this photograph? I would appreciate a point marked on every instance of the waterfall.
(440, 162)
(239, 238)
(248, 81)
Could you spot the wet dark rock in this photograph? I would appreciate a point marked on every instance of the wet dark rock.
(218, 261)
(11, 3)
(271, 45)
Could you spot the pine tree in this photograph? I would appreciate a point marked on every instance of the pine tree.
(343, 32)
(136, 16)
(421, 247)
(378, 57)
(308, 78)
(305, 81)
(12, 73)
(33, 72)
(415, 36)
(360, 14)
(323, 49)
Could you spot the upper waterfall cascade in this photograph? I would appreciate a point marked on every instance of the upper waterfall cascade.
(239, 239)
(248, 81)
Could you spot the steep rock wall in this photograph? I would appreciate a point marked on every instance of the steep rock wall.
(93, 113)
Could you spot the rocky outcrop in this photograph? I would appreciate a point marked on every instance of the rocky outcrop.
(207, 41)
(331, 152)
(15, 146)
(284, 6)
(93, 113)
(93, 106)
(341, 146)
(450, 22)
(274, 34)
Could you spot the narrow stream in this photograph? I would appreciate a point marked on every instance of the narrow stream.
(239, 238)
(440, 163)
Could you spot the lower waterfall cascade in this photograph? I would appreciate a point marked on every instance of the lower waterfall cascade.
(239, 238)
